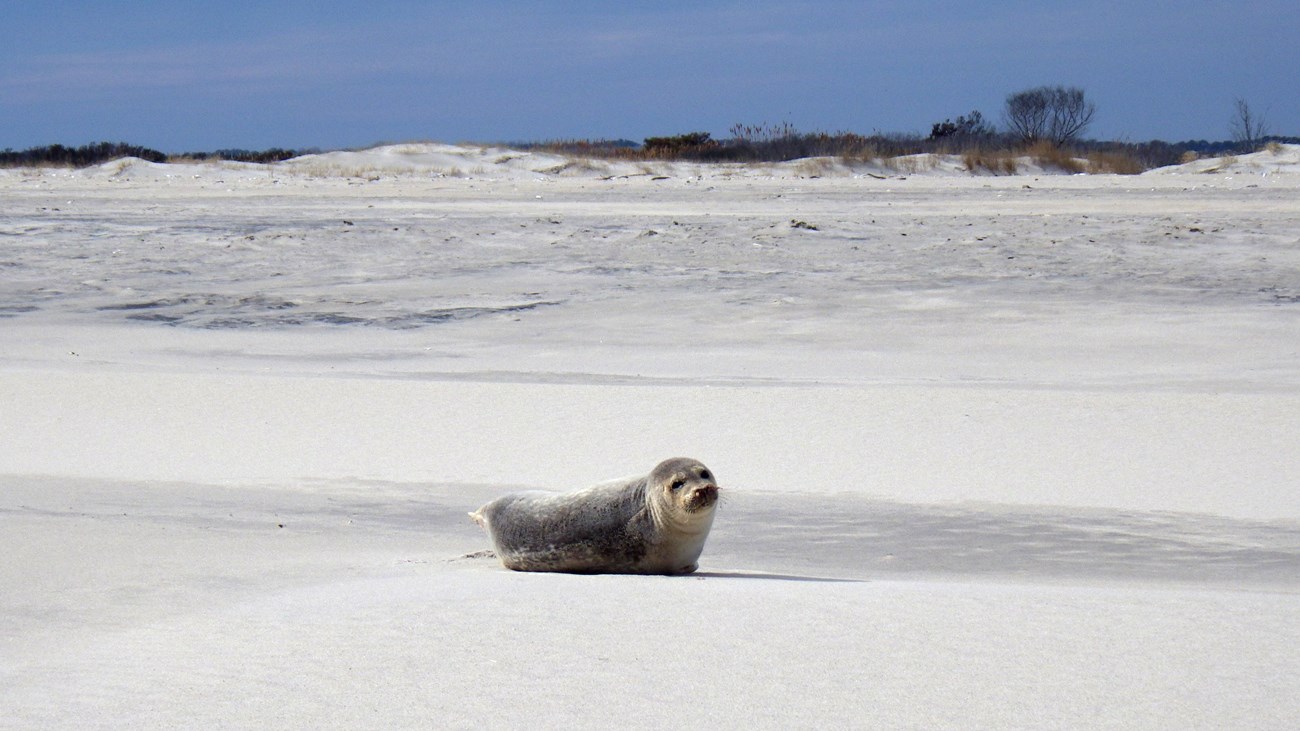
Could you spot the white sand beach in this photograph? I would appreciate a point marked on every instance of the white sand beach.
(995, 451)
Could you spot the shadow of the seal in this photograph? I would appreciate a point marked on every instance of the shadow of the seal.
(775, 577)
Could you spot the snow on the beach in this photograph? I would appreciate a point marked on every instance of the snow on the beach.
(996, 451)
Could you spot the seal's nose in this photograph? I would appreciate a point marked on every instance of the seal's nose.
(706, 493)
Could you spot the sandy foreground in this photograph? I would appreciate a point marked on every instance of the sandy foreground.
(997, 452)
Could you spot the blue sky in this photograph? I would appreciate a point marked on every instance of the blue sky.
(181, 76)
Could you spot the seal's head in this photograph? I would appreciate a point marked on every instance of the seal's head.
(686, 485)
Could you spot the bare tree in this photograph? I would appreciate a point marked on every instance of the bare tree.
(1055, 114)
(1026, 114)
(1071, 115)
(1248, 128)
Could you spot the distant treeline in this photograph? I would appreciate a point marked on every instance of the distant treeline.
(748, 143)
(274, 154)
(78, 156)
(782, 143)
(101, 152)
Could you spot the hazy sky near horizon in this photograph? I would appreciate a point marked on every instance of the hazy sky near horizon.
(180, 76)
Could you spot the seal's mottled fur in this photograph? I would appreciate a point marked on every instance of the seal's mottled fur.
(654, 524)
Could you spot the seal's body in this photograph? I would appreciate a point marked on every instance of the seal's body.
(652, 524)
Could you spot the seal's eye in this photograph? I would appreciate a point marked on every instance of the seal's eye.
(704, 475)
(678, 484)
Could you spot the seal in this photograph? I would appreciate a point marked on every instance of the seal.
(650, 524)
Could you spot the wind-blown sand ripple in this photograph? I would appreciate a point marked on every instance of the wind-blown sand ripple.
(223, 312)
